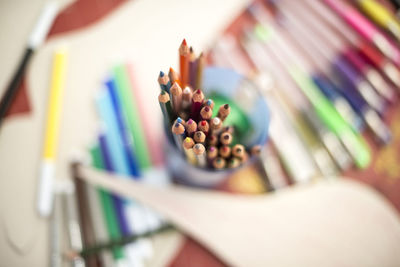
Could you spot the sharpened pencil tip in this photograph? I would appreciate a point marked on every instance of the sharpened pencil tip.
(161, 74)
(184, 42)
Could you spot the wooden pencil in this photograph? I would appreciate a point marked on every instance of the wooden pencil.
(176, 93)
(191, 127)
(199, 151)
(199, 137)
(228, 129)
(188, 144)
(180, 120)
(165, 105)
(209, 103)
(206, 113)
(212, 153)
(197, 102)
(201, 62)
(173, 76)
(184, 62)
(212, 140)
(164, 82)
(224, 111)
(178, 131)
(234, 162)
(215, 126)
(219, 163)
(225, 151)
(204, 127)
(186, 98)
(226, 138)
(239, 151)
(192, 68)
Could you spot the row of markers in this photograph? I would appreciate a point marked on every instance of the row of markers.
(204, 140)
(331, 74)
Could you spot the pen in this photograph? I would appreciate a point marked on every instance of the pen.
(36, 38)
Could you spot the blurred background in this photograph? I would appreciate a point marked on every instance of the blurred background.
(329, 72)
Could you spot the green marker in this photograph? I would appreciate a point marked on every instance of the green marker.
(353, 142)
(107, 205)
(131, 113)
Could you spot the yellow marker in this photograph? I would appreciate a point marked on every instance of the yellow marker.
(381, 15)
(47, 168)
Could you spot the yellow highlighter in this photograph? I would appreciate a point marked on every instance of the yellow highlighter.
(381, 15)
(47, 168)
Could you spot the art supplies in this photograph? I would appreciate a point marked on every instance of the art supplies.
(36, 38)
(202, 132)
(50, 141)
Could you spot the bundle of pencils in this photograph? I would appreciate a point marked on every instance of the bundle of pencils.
(204, 140)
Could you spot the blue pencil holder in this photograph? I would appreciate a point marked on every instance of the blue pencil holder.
(249, 115)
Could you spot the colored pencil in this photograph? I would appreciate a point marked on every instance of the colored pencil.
(184, 58)
(166, 107)
(193, 62)
(164, 82)
(188, 144)
(176, 93)
(186, 98)
(200, 154)
(201, 62)
(174, 77)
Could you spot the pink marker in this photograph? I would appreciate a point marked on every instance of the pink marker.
(365, 28)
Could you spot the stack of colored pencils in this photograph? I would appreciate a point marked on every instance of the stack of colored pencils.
(334, 66)
(205, 141)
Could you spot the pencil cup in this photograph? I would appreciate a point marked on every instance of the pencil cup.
(249, 115)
